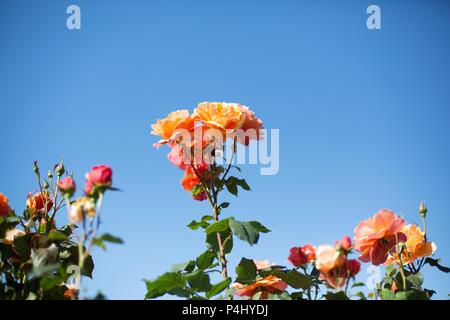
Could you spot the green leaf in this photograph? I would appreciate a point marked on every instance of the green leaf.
(22, 247)
(294, 278)
(218, 288)
(358, 284)
(194, 225)
(387, 294)
(232, 188)
(99, 243)
(340, 295)
(199, 281)
(259, 227)
(435, 263)
(163, 284)
(56, 235)
(416, 280)
(219, 226)
(246, 271)
(188, 266)
(88, 267)
(224, 205)
(205, 260)
(411, 295)
(110, 238)
(244, 231)
(232, 183)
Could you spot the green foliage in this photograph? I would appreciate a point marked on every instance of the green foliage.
(246, 271)
(294, 278)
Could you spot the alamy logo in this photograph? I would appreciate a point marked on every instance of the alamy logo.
(73, 21)
(374, 20)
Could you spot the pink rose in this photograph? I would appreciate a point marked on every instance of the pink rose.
(297, 257)
(345, 243)
(353, 267)
(100, 176)
(67, 186)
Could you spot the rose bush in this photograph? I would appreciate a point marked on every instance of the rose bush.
(38, 259)
(196, 142)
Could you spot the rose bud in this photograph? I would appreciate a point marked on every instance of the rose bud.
(423, 209)
(297, 257)
(200, 196)
(67, 186)
(39, 201)
(100, 176)
(4, 206)
(345, 243)
(310, 252)
(353, 267)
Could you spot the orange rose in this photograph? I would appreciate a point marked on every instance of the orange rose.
(39, 201)
(416, 246)
(220, 115)
(168, 127)
(378, 236)
(4, 207)
(270, 284)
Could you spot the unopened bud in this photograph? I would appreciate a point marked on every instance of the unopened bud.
(35, 167)
(50, 175)
(46, 185)
(423, 209)
(59, 169)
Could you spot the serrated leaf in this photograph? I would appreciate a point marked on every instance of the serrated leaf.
(246, 271)
(163, 284)
(56, 235)
(294, 279)
(199, 281)
(110, 238)
(205, 260)
(218, 288)
(244, 231)
(219, 226)
(187, 266)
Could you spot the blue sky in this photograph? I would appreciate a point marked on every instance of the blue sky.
(363, 116)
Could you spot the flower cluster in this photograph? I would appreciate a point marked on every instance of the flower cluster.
(36, 257)
(196, 139)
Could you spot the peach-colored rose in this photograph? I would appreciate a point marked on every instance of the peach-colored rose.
(165, 127)
(252, 127)
(80, 208)
(328, 257)
(40, 201)
(220, 115)
(4, 206)
(174, 123)
(345, 243)
(12, 234)
(378, 236)
(416, 246)
(269, 284)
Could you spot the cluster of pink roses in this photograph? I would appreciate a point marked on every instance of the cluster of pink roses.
(331, 261)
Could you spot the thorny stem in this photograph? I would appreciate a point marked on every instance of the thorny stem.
(212, 195)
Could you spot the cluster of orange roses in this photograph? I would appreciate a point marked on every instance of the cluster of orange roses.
(195, 138)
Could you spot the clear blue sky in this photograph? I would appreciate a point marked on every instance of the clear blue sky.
(363, 116)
